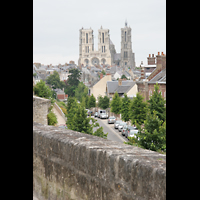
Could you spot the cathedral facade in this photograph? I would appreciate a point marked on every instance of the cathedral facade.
(106, 53)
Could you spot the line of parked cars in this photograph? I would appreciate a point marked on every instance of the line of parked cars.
(126, 130)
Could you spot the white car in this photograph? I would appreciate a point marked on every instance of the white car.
(132, 133)
(103, 116)
(120, 126)
(116, 124)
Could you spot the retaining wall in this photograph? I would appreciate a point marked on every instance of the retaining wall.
(71, 165)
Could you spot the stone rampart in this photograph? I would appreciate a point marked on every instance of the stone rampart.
(40, 109)
(71, 165)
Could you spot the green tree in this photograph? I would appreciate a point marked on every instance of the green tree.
(72, 106)
(72, 82)
(77, 119)
(105, 102)
(123, 76)
(103, 72)
(116, 104)
(125, 108)
(42, 90)
(92, 101)
(54, 80)
(157, 103)
(87, 101)
(52, 119)
(81, 91)
(99, 132)
(81, 121)
(153, 135)
(100, 101)
(138, 110)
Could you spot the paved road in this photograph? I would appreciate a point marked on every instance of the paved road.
(113, 134)
(59, 117)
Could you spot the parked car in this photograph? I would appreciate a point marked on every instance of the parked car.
(117, 123)
(132, 133)
(96, 114)
(90, 113)
(103, 116)
(124, 129)
(121, 124)
(112, 120)
(100, 112)
(128, 130)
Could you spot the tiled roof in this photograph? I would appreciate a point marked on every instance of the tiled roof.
(161, 76)
(113, 86)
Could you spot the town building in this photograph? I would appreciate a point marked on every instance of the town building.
(158, 75)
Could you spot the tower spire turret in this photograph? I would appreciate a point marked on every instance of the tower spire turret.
(126, 22)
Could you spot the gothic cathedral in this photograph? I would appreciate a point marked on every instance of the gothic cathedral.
(106, 53)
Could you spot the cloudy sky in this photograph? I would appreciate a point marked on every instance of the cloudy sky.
(56, 25)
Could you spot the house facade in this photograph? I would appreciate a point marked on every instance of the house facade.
(158, 75)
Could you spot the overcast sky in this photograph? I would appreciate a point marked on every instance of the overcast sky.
(56, 25)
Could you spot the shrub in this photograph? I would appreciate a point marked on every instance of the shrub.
(52, 119)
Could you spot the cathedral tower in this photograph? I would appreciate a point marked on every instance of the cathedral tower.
(86, 43)
(127, 57)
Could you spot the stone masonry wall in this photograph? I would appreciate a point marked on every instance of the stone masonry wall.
(40, 109)
(71, 165)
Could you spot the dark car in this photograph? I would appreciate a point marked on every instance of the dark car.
(90, 113)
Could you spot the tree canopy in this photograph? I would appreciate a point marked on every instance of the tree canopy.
(125, 108)
(116, 104)
(103, 102)
(42, 90)
(92, 101)
(72, 82)
(138, 109)
(81, 91)
(157, 103)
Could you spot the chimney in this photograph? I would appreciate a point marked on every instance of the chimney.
(142, 73)
(151, 60)
(101, 76)
(119, 81)
(161, 61)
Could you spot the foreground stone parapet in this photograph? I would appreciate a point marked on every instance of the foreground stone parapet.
(40, 109)
(72, 165)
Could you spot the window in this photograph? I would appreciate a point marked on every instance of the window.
(87, 49)
(125, 54)
(103, 37)
(86, 37)
(125, 36)
(104, 49)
